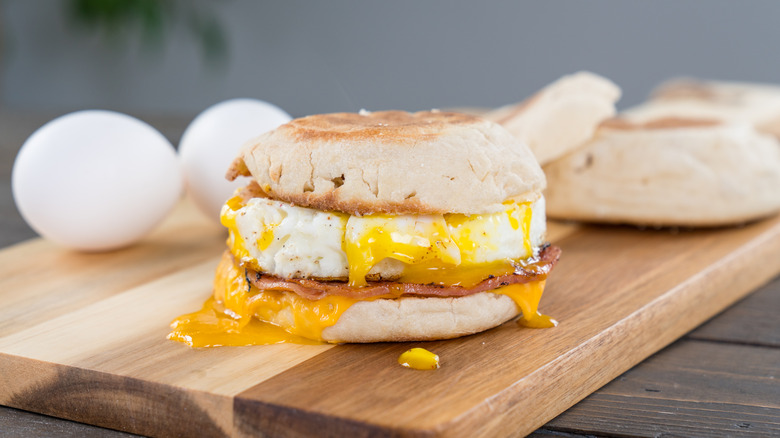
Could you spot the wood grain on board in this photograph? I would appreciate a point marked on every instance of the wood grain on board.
(719, 380)
(691, 389)
(83, 337)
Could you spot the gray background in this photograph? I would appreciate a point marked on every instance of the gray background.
(310, 57)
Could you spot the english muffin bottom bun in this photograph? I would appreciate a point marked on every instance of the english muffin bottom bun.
(385, 226)
(561, 116)
(741, 102)
(668, 172)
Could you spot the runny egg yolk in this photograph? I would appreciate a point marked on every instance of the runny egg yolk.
(436, 249)
(409, 239)
(266, 237)
(228, 219)
(235, 240)
(449, 250)
(419, 359)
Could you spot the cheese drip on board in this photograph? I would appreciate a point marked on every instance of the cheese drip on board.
(239, 314)
(527, 297)
(211, 326)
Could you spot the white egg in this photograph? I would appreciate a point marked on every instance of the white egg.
(96, 180)
(212, 141)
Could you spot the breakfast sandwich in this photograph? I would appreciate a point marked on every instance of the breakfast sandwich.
(561, 116)
(382, 226)
(668, 172)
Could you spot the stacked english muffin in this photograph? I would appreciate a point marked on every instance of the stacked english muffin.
(697, 154)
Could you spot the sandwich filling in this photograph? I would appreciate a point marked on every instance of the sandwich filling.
(290, 271)
(289, 241)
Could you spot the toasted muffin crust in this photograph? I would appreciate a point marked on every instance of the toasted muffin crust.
(392, 162)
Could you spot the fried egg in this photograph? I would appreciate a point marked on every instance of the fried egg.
(297, 242)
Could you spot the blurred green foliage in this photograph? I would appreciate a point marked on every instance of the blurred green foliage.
(152, 20)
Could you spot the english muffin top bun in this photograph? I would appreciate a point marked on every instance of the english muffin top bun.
(392, 162)
(382, 226)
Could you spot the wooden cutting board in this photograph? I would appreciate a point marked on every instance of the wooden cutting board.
(82, 336)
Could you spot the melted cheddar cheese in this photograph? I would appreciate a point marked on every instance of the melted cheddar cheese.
(239, 314)
(527, 297)
(236, 307)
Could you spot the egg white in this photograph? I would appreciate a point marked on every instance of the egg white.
(298, 242)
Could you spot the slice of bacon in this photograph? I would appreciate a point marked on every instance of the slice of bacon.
(535, 269)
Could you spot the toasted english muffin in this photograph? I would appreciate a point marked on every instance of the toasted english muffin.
(668, 172)
(421, 319)
(561, 116)
(755, 104)
(392, 162)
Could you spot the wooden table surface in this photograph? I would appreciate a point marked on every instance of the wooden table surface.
(721, 379)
